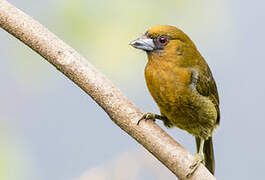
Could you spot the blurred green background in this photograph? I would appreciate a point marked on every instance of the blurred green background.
(50, 129)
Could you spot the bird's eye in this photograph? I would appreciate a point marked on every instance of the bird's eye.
(162, 40)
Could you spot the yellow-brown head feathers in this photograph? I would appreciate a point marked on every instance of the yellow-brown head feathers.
(163, 38)
(166, 30)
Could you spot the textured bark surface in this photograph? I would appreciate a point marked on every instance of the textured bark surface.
(123, 112)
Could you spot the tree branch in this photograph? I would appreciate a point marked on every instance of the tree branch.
(124, 113)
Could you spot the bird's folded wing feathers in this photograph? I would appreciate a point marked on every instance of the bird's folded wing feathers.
(206, 86)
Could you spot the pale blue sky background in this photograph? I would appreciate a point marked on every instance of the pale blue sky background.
(50, 129)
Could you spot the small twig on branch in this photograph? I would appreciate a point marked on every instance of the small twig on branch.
(124, 113)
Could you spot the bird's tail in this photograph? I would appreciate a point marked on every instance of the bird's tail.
(208, 153)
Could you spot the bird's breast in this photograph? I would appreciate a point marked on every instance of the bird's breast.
(167, 83)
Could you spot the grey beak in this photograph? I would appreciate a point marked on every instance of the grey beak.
(143, 43)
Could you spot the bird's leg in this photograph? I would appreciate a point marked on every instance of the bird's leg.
(151, 116)
(199, 158)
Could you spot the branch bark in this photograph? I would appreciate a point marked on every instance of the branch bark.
(123, 112)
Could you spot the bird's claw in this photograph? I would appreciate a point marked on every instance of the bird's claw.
(199, 158)
(147, 116)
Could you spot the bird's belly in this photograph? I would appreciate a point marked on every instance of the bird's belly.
(182, 105)
(187, 111)
(175, 105)
(169, 94)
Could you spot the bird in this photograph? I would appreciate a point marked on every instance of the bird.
(182, 85)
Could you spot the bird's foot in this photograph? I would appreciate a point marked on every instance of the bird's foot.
(147, 116)
(199, 158)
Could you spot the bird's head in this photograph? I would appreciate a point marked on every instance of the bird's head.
(164, 42)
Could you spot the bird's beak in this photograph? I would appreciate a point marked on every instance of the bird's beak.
(143, 43)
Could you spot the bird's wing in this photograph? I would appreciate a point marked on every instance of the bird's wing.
(206, 86)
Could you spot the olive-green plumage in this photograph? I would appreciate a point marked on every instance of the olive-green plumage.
(182, 85)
